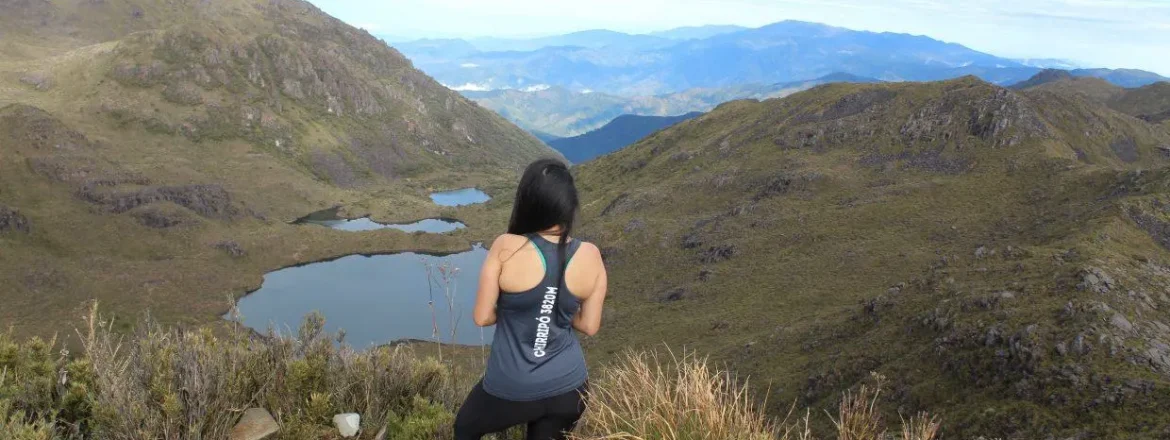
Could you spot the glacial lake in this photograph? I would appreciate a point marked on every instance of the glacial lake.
(330, 219)
(460, 197)
(375, 299)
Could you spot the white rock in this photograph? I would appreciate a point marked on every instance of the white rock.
(255, 424)
(347, 424)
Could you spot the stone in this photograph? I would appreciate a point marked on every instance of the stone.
(1096, 280)
(1007, 295)
(1079, 345)
(1061, 348)
(347, 424)
(675, 294)
(1121, 323)
(256, 424)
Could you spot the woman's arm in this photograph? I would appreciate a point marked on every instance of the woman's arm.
(489, 286)
(588, 320)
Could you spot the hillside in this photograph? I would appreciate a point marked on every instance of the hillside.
(153, 152)
(1001, 256)
(617, 134)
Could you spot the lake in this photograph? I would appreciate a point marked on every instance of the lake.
(375, 299)
(329, 218)
(460, 197)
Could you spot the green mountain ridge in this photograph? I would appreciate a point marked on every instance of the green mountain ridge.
(154, 151)
(1000, 256)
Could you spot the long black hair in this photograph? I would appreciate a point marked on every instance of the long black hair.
(546, 198)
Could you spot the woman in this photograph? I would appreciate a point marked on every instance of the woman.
(537, 285)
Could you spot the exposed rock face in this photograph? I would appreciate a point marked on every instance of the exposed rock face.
(40, 80)
(231, 248)
(154, 217)
(12, 220)
(211, 201)
(32, 128)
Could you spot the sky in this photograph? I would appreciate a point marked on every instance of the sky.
(1092, 33)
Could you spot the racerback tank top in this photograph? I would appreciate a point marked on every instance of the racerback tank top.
(535, 353)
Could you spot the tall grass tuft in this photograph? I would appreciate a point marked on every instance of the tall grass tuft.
(858, 417)
(642, 398)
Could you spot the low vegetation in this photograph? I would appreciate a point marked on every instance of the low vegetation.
(174, 383)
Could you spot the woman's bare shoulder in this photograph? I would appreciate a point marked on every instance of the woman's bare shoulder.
(509, 240)
(589, 250)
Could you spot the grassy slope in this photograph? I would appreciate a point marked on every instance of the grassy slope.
(287, 109)
(853, 216)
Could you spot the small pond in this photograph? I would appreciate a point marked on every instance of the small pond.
(460, 197)
(329, 218)
(375, 299)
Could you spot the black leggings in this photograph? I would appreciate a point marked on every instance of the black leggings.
(547, 419)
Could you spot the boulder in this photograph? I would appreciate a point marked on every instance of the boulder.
(1118, 320)
(256, 424)
(347, 424)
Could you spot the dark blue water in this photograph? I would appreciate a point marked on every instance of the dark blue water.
(330, 218)
(460, 197)
(375, 299)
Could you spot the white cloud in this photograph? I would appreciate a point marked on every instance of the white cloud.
(469, 65)
(470, 87)
(536, 88)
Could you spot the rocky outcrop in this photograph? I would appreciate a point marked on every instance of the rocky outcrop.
(207, 200)
(12, 220)
(232, 248)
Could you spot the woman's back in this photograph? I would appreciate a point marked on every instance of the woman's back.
(537, 286)
(535, 353)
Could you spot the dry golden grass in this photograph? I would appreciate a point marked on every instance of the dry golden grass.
(641, 397)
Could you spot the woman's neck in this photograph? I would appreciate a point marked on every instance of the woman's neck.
(553, 231)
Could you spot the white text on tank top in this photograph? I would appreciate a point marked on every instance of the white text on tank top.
(542, 328)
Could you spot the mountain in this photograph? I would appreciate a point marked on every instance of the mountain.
(544, 137)
(1150, 102)
(999, 256)
(1043, 77)
(153, 152)
(617, 134)
(1122, 77)
(561, 112)
(593, 39)
(632, 65)
(697, 32)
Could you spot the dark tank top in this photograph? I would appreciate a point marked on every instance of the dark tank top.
(535, 353)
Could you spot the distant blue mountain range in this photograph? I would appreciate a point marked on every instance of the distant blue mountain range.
(713, 57)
